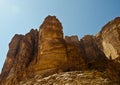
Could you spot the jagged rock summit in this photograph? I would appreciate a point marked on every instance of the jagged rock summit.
(41, 53)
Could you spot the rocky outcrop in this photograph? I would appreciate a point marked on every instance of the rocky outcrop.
(11, 56)
(94, 57)
(51, 48)
(22, 52)
(92, 77)
(27, 53)
(76, 59)
(108, 39)
(46, 52)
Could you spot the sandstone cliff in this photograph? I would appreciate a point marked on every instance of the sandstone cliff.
(94, 57)
(46, 51)
(11, 56)
(51, 48)
(108, 39)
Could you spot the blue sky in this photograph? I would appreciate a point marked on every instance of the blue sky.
(78, 17)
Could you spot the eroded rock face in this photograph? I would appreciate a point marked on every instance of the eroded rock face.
(11, 56)
(52, 50)
(42, 52)
(27, 53)
(22, 51)
(76, 59)
(46, 52)
(108, 39)
(94, 57)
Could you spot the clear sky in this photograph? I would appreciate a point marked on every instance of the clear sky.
(78, 17)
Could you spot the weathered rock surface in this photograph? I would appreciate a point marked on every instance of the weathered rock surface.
(76, 59)
(52, 50)
(94, 57)
(108, 39)
(11, 56)
(71, 78)
(46, 52)
(27, 53)
(23, 50)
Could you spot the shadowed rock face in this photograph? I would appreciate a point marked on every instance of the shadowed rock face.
(76, 59)
(94, 57)
(11, 56)
(22, 51)
(27, 52)
(46, 52)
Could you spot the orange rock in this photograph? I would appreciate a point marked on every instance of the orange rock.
(46, 52)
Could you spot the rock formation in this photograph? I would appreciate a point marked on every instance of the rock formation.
(71, 78)
(108, 39)
(46, 52)
(27, 53)
(11, 56)
(51, 48)
(22, 51)
(76, 59)
(93, 55)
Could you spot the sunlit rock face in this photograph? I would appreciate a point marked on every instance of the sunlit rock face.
(108, 39)
(38, 52)
(51, 48)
